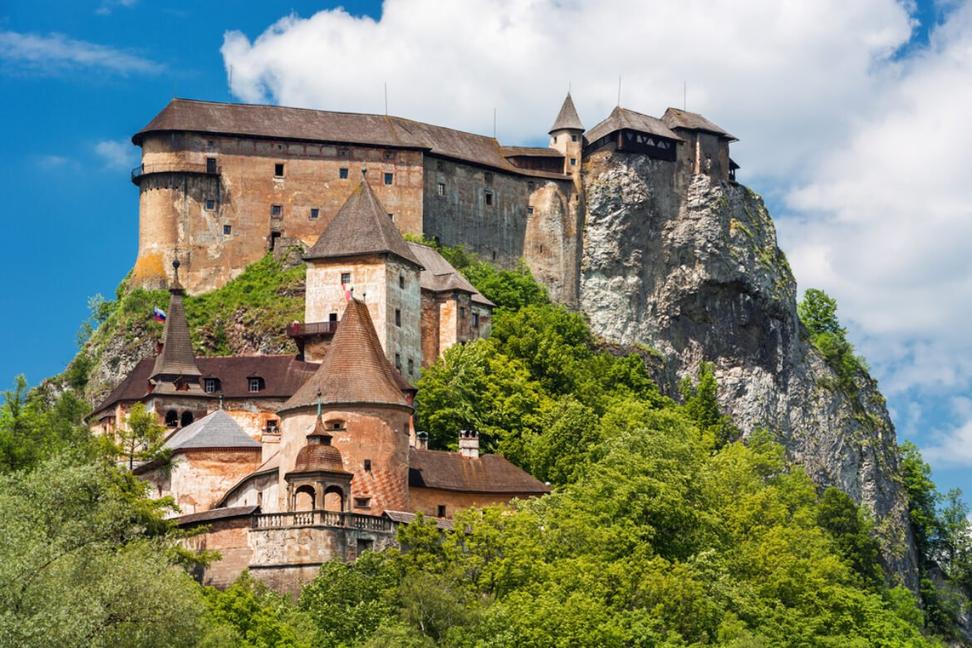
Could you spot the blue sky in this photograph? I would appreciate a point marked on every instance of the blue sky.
(818, 93)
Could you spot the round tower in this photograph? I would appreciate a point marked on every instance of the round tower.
(567, 136)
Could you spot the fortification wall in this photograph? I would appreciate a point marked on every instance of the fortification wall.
(428, 500)
(186, 204)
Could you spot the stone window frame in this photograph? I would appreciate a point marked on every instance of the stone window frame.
(276, 211)
(315, 213)
(389, 178)
(279, 170)
(209, 204)
(440, 189)
(227, 230)
(362, 502)
(488, 197)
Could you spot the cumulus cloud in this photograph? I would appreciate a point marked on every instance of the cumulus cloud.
(758, 68)
(116, 154)
(860, 132)
(57, 53)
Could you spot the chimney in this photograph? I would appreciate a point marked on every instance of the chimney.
(469, 443)
(422, 440)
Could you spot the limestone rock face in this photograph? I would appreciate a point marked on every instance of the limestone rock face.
(691, 267)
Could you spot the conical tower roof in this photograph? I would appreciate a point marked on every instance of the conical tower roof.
(361, 227)
(176, 358)
(355, 369)
(567, 118)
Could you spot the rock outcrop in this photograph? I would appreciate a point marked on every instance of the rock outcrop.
(693, 269)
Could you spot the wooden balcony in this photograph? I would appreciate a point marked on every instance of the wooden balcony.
(143, 170)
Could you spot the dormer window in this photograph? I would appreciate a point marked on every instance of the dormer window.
(212, 385)
(255, 384)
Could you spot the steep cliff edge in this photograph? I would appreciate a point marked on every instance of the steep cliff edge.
(695, 272)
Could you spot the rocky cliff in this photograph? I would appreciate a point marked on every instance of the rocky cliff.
(692, 268)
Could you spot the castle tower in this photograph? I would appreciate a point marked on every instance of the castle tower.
(567, 136)
(175, 370)
(363, 409)
(362, 253)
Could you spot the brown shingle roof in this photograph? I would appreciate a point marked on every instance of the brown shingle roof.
(176, 358)
(282, 376)
(438, 275)
(622, 118)
(333, 127)
(676, 118)
(567, 117)
(361, 227)
(530, 151)
(484, 474)
(355, 369)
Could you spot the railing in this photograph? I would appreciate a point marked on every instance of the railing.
(322, 519)
(314, 328)
(173, 167)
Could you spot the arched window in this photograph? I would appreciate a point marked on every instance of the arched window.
(186, 419)
(304, 499)
(333, 499)
(171, 418)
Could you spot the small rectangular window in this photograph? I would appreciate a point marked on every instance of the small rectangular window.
(440, 510)
(462, 312)
(362, 502)
(529, 210)
(227, 229)
(398, 361)
(343, 173)
(398, 317)
(314, 213)
(573, 138)
(345, 278)
(332, 317)
(278, 169)
(391, 217)
(573, 161)
(489, 198)
(401, 281)
(210, 204)
(475, 320)
(440, 189)
(389, 178)
(276, 211)
(411, 367)
(211, 165)
(367, 465)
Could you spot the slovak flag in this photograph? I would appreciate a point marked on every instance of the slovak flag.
(158, 314)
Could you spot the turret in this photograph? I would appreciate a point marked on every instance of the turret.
(567, 136)
(175, 367)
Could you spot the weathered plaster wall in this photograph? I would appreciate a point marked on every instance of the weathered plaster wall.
(376, 434)
(173, 209)
(428, 500)
(197, 479)
(230, 539)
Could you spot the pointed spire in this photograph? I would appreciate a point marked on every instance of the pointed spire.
(361, 227)
(567, 118)
(355, 370)
(175, 359)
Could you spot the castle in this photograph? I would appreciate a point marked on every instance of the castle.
(220, 184)
(291, 461)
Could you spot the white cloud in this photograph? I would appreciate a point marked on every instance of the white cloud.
(116, 154)
(951, 449)
(108, 6)
(758, 68)
(870, 152)
(57, 53)
(52, 161)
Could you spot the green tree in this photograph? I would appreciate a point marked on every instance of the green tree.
(141, 435)
(852, 532)
(84, 561)
(249, 615)
(702, 406)
(818, 312)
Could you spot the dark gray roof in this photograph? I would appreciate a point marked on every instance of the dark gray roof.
(217, 514)
(676, 118)
(361, 227)
(624, 119)
(567, 118)
(216, 430)
(176, 358)
(333, 127)
(438, 275)
(406, 517)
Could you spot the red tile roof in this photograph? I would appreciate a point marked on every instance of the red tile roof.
(484, 474)
(355, 369)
